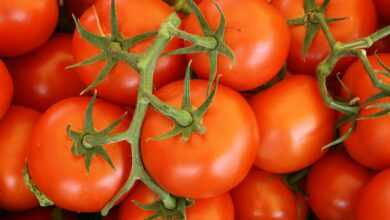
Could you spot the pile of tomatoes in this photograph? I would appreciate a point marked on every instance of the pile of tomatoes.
(259, 154)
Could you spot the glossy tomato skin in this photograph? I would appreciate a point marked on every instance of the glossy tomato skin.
(369, 144)
(46, 81)
(15, 132)
(383, 9)
(25, 25)
(263, 196)
(361, 21)
(374, 201)
(294, 124)
(334, 184)
(61, 175)
(121, 84)
(77, 7)
(216, 208)
(206, 165)
(256, 32)
(7, 89)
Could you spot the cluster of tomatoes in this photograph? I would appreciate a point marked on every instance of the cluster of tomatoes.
(260, 155)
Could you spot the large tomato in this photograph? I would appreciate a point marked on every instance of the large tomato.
(15, 133)
(264, 196)
(360, 21)
(206, 165)
(61, 175)
(294, 125)
(383, 9)
(121, 83)
(25, 25)
(334, 185)
(6, 86)
(369, 144)
(256, 32)
(374, 201)
(216, 208)
(46, 81)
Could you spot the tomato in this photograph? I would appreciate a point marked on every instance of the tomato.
(360, 21)
(383, 9)
(46, 80)
(216, 208)
(264, 196)
(369, 144)
(121, 83)
(294, 125)
(374, 201)
(6, 86)
(15, 133)
(61, 175)
(334, 185)
(25, 25)
(206, 165)
(77, 7)
(37, 214)
(256, 32)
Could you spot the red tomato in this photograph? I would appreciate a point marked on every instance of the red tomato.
(294, 124)
(61, 175)
(360, 21)
(206, 165)
(46, 81)
(374, 201)
(334, 184)
(37, 214)
(6, 86)
(369, 144)
(256, 32)
(26, 24)
(263, 196)
(15, 133)
(383, 9)
(77, 7)
(216, 208)
(121, 84)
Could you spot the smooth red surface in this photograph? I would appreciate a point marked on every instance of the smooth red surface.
(334, 185)
(40, 77)
(121, 84)
(294, 125)
(7, 89)
(15, 132)
(25, 25)
(207, 164)
(256, 32)
(61, 175)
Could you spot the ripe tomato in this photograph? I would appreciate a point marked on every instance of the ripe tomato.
(121, 83)
(61, 175)
(292, 134)
(25, 25)
(334, 185)
(369, 144)
(264, 196)
(360, 21)
(374, 201)
(77, 7)
(37, 214)
(256, 32)
(15, 133)
(6, 86)
(383, 9)
(216, 208)
(46, 81)
(206, 165)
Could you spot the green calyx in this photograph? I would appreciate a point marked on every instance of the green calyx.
(114, 48)
(43, 200)
(193, 117)
(161, 212)
(88, 143)
(213, 42)
(312, 21)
